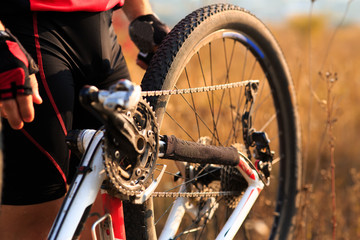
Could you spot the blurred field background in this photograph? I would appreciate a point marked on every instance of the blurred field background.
(319, 51)
(310, 58)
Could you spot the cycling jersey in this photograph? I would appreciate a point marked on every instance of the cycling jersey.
(12, 6)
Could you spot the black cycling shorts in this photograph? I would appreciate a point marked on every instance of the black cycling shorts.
(72, 50)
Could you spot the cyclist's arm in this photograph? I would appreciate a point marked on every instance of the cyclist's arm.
(20, 109)
(136, 8)
(146, 30)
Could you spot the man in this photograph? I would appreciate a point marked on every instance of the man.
(73, 44)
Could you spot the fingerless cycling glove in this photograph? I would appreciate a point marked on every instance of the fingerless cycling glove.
(15, 67)
(147, 32)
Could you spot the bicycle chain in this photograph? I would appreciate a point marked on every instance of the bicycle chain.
(158, 93)
(194, 194)
(126, 191)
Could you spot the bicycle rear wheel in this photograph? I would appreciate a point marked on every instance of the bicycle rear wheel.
(219, 45)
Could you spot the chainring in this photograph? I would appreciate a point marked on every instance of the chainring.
(130, 174)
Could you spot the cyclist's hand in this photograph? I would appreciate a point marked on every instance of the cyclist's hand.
(21, 109)
(147, 32)
(18, 91)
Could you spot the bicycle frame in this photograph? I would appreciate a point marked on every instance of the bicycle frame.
(181, 205)
(247, 201)
(88, 181)
(83, 190)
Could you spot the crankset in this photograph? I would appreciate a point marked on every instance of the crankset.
(129, 171)
(131, 138)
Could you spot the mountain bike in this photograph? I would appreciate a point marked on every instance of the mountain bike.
(208, 147)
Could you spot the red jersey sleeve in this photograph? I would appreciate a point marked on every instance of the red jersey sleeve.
(74, 5)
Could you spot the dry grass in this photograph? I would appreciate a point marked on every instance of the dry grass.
(306, 56)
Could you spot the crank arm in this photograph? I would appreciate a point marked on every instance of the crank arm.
(114, 108)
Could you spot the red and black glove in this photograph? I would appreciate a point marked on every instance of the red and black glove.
(15, 67)
(147, 32)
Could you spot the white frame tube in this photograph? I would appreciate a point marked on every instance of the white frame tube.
(255, 186)
(175, 217)
(82, 193)
(231, 227)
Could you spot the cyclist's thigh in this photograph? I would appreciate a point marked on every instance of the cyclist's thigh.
(36, 158)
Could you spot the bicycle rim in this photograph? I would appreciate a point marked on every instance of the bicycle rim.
(215, 45)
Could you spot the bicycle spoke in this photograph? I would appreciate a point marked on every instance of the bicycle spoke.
(197, 117)
(190, 228)
(164, 213)
(191, 180)
(271, 119)
(193, 103)
(170, 173)
(212, 83)
(179, 125)
(207, 93)
(227, 67)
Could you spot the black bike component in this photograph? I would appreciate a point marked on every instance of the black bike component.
(262, 153)
(232, 180)
(88, 94)
(250, 95)
(81, 224)
(187, 151)
(72, 140)
(119, 124)
(177, 176)
(84, 169)
(252, 138)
